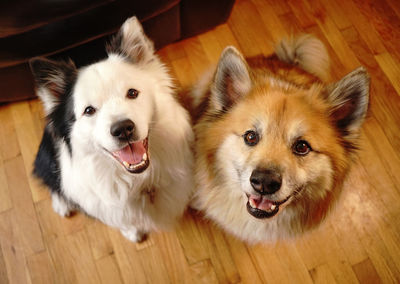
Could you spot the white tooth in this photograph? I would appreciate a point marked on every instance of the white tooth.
(144, 157)
(126, 164)
(273, 207)
(132, 167)
(252, 203)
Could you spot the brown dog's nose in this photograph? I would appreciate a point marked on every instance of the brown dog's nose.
(123, 129)
(266, 181)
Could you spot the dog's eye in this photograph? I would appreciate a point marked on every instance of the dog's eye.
(132, 94)
(251, 137)
(301, 147)
(89, 111)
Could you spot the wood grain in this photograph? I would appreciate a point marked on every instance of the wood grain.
(358, 243)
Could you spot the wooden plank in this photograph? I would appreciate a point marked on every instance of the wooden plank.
(333, 36)
(271, 21)
(173, 257)
(390, 67)
(291, 24)
(129, 263)
(293, 263)
(385, 21)
(174, 51)
(29, 144)
(361, 23)
(3, 268)
(183, 70)
(308, 248)
(366, 217)
(280, 7)
(323, 248)
(303, 15)
(366, 272)
(152, 263)
(40, 268)
(322, 274)
(215, 42)
(61, 259)
(335, 11)
(9, 147)
(12, 249)
(192, 238)
(245, 262)
(344, 229)
(197, 57)
(220, 256)
(108, 270)
(395, 5)
(388, 156)
(5, 195)
(38, 117)
(84, 265)
(203, 272)
(99, 240)
(255, 40)
(268, 264)
(26, 220)
(384, 100)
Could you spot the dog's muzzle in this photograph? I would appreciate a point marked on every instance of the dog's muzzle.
(264, 181)
(134, 155)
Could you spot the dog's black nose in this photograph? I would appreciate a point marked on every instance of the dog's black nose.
(266, 181)
(122, 129)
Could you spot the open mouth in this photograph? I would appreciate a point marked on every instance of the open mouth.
(261, 207)
(134, 156)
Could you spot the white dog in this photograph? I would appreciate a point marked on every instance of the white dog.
(117, 145)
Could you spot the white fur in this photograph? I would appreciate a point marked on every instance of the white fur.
(94, 180)
(60, 205)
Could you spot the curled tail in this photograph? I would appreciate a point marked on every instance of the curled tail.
(306, 51)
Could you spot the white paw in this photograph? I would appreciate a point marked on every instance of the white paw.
(60, 205)
(134, 235)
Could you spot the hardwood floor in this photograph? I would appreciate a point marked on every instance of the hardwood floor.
(359, 242)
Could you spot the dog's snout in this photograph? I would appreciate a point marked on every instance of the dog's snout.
(266, 181)
(123, 129)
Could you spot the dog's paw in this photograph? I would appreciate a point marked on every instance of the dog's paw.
(134, 235)
(60, 205)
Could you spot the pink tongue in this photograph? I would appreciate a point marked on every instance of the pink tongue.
(262, 203)
(132, 153)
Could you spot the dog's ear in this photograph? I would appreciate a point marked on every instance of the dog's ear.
(132, 43)
(231, 81)
(348, 100)
(53, 79)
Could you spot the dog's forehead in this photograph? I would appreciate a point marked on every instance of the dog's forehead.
(107, 79)
(286, 116)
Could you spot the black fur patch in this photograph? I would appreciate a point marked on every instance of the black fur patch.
(46, 165)
(114, 46)
(58, 78)
(62, 117)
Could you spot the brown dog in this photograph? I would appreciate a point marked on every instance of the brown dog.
(274, 143)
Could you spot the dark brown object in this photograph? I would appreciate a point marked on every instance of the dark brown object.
(79, 29)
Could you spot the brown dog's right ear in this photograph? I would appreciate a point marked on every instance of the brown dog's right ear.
(348, 100)
(231, 81)
(53, 79)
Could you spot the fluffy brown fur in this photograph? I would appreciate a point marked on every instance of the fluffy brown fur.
(274, 142)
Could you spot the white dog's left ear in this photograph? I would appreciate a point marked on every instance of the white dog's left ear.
(348, 99)
(132, 43)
